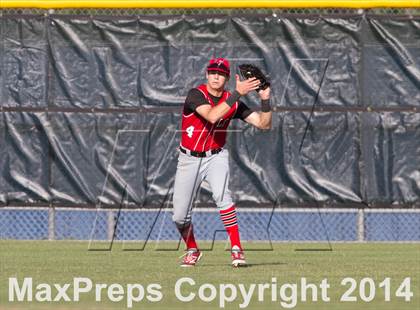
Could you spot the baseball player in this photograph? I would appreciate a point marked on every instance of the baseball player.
(207, 112)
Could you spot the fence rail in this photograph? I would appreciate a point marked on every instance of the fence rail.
(209, 4)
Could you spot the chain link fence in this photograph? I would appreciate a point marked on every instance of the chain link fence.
(256, 225)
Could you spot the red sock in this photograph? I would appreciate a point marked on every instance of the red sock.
(228, 217)
(187, 234)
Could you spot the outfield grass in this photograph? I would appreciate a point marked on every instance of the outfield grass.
(59, 262)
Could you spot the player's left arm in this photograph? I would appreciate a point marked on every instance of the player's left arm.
(262, 120)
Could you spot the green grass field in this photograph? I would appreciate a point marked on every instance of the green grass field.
(60, 262)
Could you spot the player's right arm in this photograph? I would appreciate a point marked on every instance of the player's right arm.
(214, 114)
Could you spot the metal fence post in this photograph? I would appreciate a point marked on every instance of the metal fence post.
(51, 223)
(361, 225)
(111, 225)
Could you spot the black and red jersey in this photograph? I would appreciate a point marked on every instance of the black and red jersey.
(198, 134)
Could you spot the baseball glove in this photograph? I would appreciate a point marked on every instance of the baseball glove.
(250, 71)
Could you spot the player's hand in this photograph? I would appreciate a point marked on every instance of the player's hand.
(246, 86)
(264, 94)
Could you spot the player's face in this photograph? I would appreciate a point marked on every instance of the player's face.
(216, 80)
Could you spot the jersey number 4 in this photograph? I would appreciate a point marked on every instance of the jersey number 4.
(190, 131)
